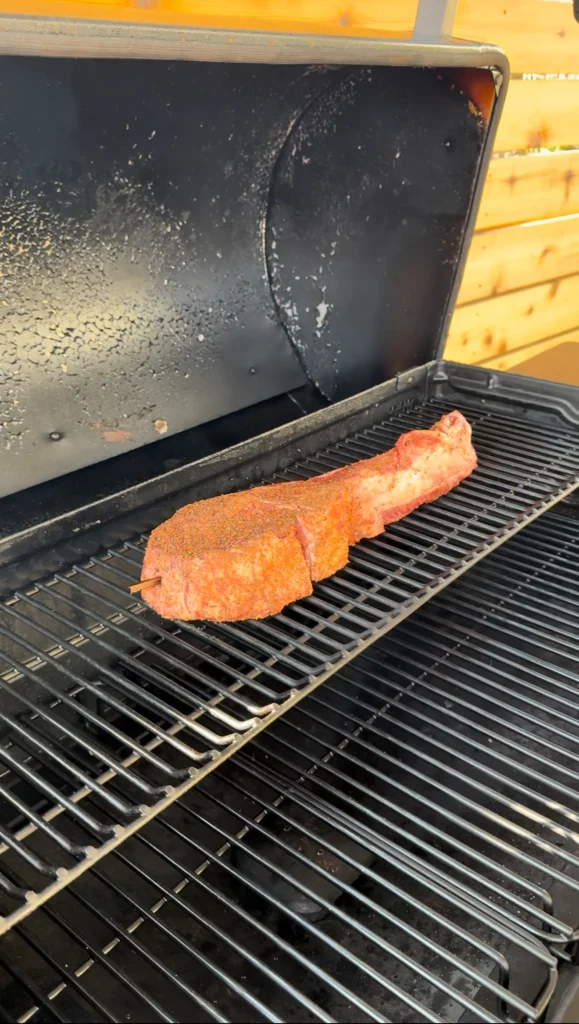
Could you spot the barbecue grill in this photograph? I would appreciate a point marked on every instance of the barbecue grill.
(230, 258)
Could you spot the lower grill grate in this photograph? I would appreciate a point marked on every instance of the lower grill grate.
(102, 700)
(400, 846)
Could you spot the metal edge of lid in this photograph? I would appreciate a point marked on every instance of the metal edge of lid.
(29, 35)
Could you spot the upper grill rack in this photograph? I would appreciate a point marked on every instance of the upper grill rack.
(101, 699)
(400, 846)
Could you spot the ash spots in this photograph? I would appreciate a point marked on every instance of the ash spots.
(323, 309)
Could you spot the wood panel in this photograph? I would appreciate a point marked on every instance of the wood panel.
(530, 187)
(540, 112)
(482, 330)
(503, 259)
(337, 17)
(536, 35)
(510, 360)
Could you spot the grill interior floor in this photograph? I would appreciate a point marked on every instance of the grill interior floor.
(401, 845)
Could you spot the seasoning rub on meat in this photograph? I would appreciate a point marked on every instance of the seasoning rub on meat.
(247, 555)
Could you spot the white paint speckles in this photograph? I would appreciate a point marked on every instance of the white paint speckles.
(323, 310)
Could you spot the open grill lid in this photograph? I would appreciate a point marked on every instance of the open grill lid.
(184, 239)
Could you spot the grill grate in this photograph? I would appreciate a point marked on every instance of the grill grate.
(400, 846)
(101, 700)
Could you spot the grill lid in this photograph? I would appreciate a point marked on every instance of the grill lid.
(181, 240)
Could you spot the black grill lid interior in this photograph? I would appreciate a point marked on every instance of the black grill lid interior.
(183, 240)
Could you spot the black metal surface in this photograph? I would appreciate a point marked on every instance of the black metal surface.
(143, 708)
(98, 493)
(367, 211)
(138, 300)
(401, 846)
(564, 1007)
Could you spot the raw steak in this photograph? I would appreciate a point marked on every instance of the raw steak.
(247, 555)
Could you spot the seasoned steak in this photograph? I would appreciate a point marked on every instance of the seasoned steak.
(247, 555)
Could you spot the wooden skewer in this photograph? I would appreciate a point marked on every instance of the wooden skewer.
(135, 588)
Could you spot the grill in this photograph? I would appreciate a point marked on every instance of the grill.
(363, 808)
(401, 844)
(102, 693)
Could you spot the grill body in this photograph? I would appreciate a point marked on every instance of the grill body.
(112, 720)
(232, 258)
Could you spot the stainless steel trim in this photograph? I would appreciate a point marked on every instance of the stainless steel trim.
(435, 18)
(75, 37)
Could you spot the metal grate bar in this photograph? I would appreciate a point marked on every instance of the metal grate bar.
(344, 918)
(370, 904)
(369, 673)
(146, 914)
(420, 845)
(100, 957)
(365, 792)
(191, 910)
(439, 881)
(146, 709)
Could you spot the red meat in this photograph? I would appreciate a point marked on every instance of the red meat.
(249, 554)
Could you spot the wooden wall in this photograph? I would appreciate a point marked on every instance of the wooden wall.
(520, 293)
